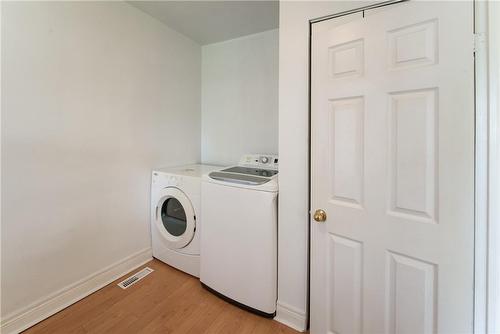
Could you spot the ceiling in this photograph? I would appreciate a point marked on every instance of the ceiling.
(213, 21)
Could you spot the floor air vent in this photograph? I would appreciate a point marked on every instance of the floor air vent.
(135, 278)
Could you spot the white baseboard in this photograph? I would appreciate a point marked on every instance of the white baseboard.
(42, 309)
(290, 316)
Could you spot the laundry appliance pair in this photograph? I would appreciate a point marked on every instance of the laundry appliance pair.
(229, 216)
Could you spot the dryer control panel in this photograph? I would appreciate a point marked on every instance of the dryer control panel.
(265, 161)
(166, 179)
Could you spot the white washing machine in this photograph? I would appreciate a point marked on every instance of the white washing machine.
(239, 238)
(175, 215)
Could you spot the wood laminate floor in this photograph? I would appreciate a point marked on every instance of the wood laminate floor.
(166, 301)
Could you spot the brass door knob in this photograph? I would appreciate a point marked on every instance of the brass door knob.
(319, 215)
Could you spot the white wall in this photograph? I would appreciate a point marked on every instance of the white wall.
(94, 94)
(294, 150)
(240, 98)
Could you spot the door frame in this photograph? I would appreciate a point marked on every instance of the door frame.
(487, 160)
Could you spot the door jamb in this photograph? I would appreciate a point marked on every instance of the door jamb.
(487, 164)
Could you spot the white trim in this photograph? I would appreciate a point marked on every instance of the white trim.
(493, 299)
(481, 169)
(487, 220)
(44, 308)
(290, 316)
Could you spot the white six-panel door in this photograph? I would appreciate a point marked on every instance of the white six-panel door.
(392, 133)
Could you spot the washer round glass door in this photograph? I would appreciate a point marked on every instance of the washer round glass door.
(175, 218)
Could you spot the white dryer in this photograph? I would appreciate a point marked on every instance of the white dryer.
(175, 215)
(239, 241)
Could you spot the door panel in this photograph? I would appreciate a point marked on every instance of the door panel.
(346, 151)
(345, 292)
(411, 298)
(392, 120)
(412, 160)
